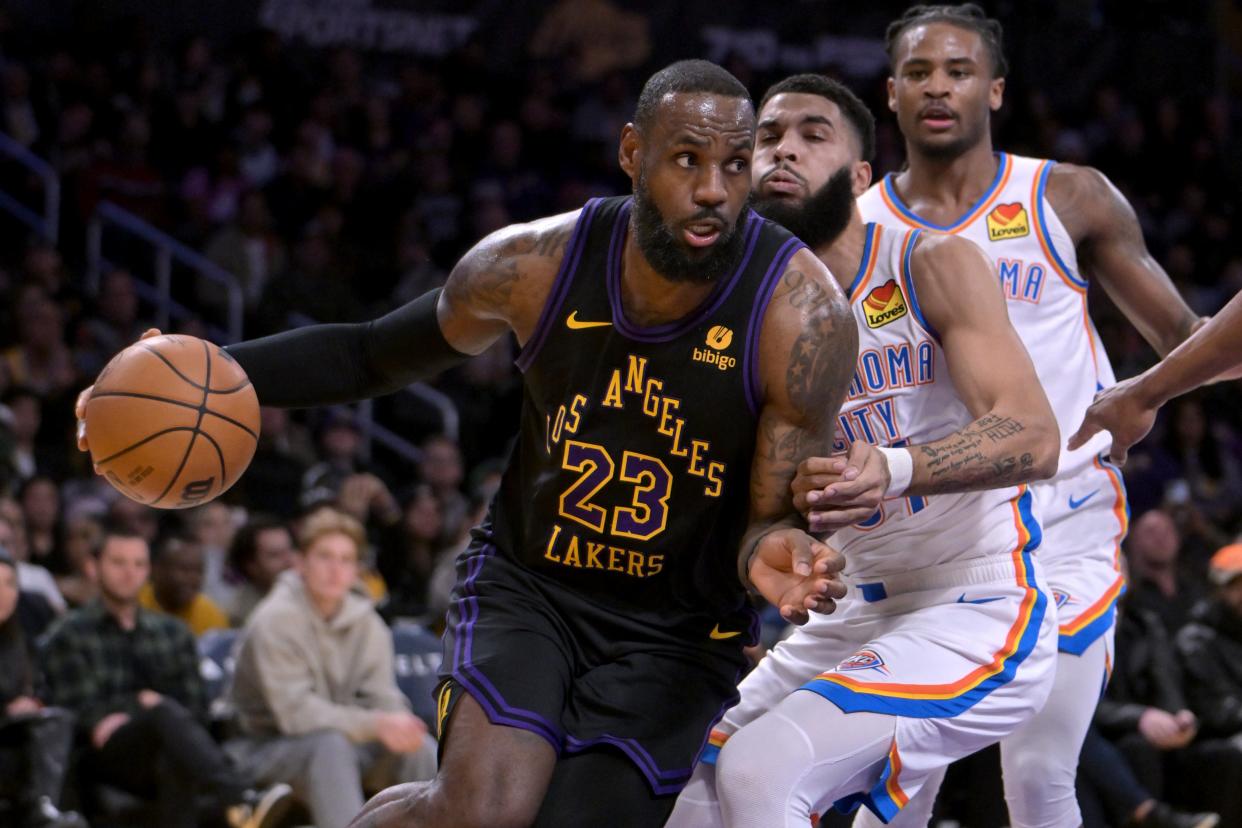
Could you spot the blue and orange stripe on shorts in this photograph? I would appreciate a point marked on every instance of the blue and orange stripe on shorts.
(927, 701)
(886, 798)
(1077, 634)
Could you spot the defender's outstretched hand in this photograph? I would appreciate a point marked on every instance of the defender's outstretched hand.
(1124, 411)
(797, 573)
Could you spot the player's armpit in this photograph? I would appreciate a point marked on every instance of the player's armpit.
(1111, 250)
(807, 350)
(1014, 438)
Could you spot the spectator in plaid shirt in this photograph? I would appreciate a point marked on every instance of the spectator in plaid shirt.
(131, 676)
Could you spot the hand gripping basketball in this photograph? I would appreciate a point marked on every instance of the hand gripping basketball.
(171, 421)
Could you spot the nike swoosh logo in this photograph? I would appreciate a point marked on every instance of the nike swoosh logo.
(1074, 504)
(574, 325)
(721, 636)
(961, 599)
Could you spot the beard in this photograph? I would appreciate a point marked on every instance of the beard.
(672, 258)
(821, 217)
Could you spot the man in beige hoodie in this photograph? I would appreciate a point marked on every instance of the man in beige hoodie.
(316, 695)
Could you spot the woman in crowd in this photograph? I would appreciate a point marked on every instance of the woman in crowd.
(408, 553)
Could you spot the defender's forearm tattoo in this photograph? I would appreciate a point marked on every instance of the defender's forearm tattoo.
(986, 454)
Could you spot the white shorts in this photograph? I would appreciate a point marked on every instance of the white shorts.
(963, 654)
(1084, 518)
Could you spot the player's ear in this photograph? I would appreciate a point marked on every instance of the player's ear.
(892, 94)
(860, 177)
(996, 94)
(627, 155)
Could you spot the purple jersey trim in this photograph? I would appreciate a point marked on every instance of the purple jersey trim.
(560, 286)
(498, 711)
(670, 781)
(750, 356)
(674, 329)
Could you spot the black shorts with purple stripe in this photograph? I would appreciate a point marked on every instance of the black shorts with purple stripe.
(538, 656)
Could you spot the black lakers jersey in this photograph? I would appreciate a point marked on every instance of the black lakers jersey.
(630, 480)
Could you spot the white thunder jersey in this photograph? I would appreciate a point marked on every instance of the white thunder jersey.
(1083, 509)
(946, 625)
(902, 394)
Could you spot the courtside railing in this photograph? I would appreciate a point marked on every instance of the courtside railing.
(165, 250)
(47, 223)
(389, 439)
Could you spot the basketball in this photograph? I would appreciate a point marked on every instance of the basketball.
(172, 421)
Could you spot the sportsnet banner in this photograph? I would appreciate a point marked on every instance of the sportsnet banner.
(367, 25)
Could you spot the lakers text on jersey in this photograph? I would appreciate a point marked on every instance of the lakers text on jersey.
(629, 481)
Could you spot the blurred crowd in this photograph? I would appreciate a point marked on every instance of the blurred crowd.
(336, 185)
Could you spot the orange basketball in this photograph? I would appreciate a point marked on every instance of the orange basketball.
(172, 421)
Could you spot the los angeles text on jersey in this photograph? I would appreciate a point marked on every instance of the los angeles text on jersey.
(645, 481)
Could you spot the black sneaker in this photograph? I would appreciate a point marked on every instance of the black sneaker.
(1162, 816)
(261, 809)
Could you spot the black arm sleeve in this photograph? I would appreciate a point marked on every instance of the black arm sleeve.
(329, 364)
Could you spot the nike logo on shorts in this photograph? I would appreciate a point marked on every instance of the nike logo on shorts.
(961, 599)
(717, 635)
(1074, 504)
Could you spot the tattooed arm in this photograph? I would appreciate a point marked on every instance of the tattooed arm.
(807, 350)
(499, 285)
(502, 283)
(1014, 438)
(1111, 251)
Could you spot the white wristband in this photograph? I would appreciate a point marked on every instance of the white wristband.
(900, 470)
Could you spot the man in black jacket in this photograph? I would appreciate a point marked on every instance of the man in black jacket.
(1144, 709)
(34, 738)
(1210, 650)
(1139, 734)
